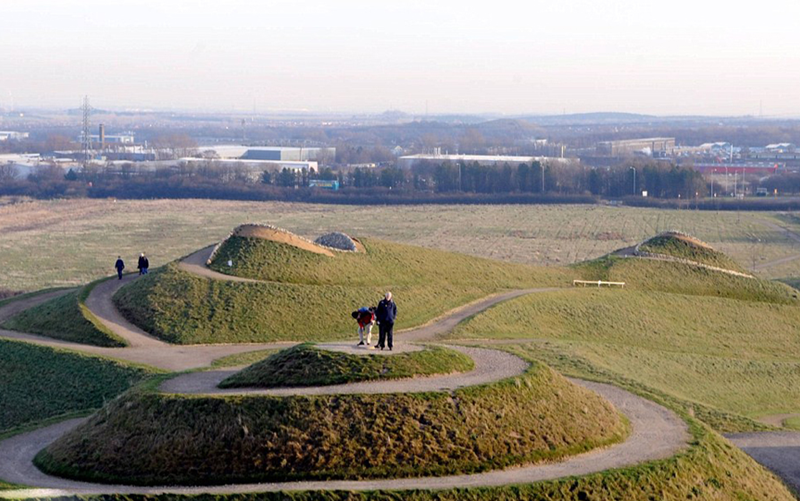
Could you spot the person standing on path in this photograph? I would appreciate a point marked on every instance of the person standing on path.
(144, 263)
(386, 314)
(119, 265)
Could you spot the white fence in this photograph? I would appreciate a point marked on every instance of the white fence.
(598, 283)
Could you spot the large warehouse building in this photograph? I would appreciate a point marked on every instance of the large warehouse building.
(273, 153)
(653, 146)
(411, 160)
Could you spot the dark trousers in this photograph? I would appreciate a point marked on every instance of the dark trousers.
(385, 337)
(119, 273)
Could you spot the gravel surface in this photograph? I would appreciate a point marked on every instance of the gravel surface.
(337, 240)
(777, 450)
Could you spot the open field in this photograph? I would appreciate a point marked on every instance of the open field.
(734, 355)
(71, 242)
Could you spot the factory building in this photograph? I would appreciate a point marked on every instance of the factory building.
(12, 135)
(272, 153)
(651, 146)
(411, 160)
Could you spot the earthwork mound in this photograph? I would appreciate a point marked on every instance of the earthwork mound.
(306, 365)
(153, 438)
(679, 245)
(275, 234)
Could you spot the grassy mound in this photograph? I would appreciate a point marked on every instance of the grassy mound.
(383, 264)
(685, 247)
(710, 469)
(153, 438)
(67, 318)
(309, 296)
(665, 276)
(40, 383)
(701, 349)
(305, 365)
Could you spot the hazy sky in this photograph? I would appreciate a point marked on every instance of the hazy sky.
(665, 57)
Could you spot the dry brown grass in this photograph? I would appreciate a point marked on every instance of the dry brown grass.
(71, 242)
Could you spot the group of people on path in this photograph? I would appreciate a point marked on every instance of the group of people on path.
(142, 266)
(384, 314)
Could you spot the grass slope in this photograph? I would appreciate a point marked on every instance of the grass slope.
(383, 264)
(152, 438)
(653, 275)
(305, 365)
(710, 468)
(702, 349)
(685, 247)
(39, 383)
(182, 308)
(67, 318)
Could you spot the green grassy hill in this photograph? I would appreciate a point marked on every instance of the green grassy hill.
(40, 383)
(310, 296)
(665, 276)
(154, 438)
(682, 246)
(67, 318)
(305, 365)
(735, 355)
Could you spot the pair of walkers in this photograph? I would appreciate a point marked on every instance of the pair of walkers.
(143, 265)
(384, 314)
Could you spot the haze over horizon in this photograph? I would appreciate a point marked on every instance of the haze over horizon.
(451, 57)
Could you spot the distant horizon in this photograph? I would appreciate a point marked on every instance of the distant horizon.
(425, 58)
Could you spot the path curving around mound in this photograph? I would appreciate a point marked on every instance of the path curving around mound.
(657, 433)
(195, 264)
(490, 366)
(100, 303)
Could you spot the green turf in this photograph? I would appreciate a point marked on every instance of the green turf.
(737, 356)
(183, 308)
(684, 247)
(383, 264)
(242, 359)
(653, 275)
(39, 382)
(305, 365)
(154, 438)
(66, 318)
(792, 423)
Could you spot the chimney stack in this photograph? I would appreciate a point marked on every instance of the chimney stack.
(102, 137)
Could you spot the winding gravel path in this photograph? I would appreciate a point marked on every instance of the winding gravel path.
(657, 433)
(490, 366)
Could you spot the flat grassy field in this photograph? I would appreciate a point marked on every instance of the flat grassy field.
(72, 242)
(735, 355)
(62, 382)
(305, 365)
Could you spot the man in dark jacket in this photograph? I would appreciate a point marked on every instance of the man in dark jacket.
(386, 314)
(119, 265)
(144, 263)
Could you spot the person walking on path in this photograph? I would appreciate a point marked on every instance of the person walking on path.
(119, 265)
(386, 314)
(144, 263)
(366, 319)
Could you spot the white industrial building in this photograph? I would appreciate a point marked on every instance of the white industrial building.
(410, 160)
(11, 135)
(270, 153)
